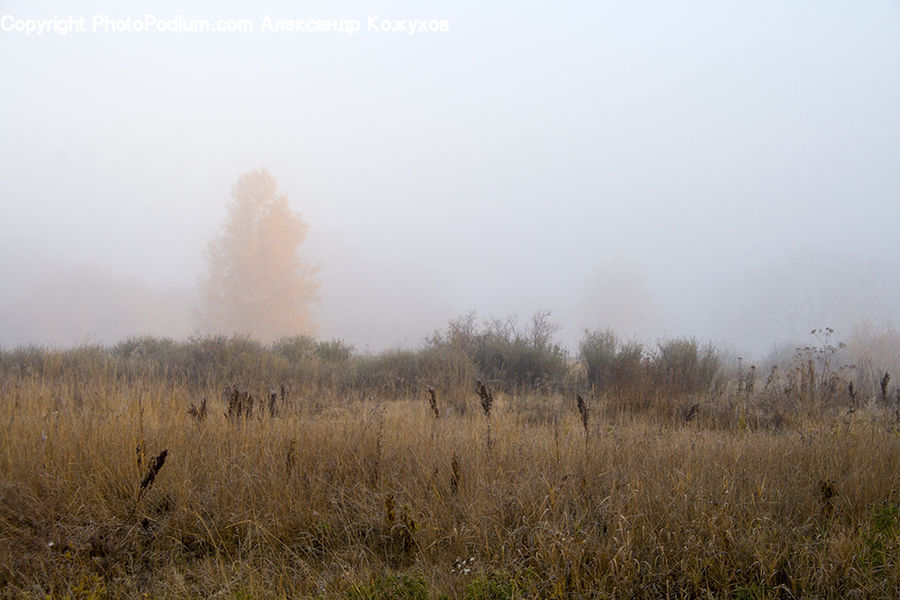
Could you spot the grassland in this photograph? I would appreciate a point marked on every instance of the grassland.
(328, 493)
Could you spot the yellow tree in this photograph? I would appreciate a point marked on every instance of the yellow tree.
(257, 284)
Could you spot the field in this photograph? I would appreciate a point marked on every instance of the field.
(118, 480)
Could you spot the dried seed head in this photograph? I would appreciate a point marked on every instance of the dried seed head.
(155, 465)
(827, 492)
(389, 515)
(198, 414)
(583, 411)
(432, 402)
(454, 474)
(691, 412)
(487, 399)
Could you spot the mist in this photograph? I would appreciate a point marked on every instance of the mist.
(720, 170)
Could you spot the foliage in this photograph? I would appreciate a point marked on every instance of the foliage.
(504, 354)
(495, 586)
(256, 283)
(392, 587)
(634, 377)
(610, 364)
(880, 538)
(682, 366)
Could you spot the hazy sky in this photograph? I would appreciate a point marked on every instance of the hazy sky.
(721, 169)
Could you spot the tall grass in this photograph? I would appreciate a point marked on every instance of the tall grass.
(345, 482)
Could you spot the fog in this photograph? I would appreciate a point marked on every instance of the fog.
(724, 170)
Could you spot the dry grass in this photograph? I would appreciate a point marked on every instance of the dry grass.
(380, 499)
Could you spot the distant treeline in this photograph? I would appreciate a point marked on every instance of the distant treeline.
(507, 357)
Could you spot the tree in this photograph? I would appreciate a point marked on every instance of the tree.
(257, 284)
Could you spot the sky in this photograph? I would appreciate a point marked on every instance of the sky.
(717, 169)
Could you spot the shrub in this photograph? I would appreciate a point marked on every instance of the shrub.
(615, 368)
(503, 354)
(682, 366)
(157, 350)
(295, 349)
(598, 352)
(395, 370)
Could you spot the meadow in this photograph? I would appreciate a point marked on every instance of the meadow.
(220, 468)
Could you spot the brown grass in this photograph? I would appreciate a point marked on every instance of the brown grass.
(362, 499)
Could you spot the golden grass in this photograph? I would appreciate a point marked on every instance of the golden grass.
(381, 499)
